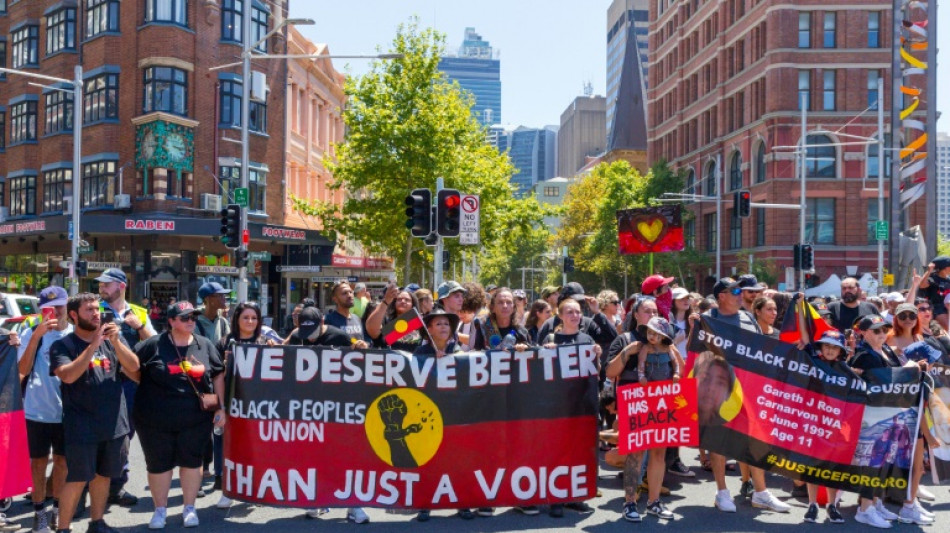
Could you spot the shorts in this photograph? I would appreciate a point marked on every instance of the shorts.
(43, 436)
(166, 449)
(107, 459)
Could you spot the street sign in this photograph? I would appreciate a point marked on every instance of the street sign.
(240, 196)
(881, 231)
(86, 249)
(470, 220)
(260, 256)
(71, 233)
(888, 280)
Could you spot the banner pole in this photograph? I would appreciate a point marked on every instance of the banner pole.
(651, 264)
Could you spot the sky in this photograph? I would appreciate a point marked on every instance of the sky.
(548, 48)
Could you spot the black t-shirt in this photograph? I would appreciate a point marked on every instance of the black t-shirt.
(843, 317)
(573, 338)
(481, 343)
(938, 289)
(599, 328)
(165, 389)
(93, 405)
(333, 336)
(351, 325)
(867, 358)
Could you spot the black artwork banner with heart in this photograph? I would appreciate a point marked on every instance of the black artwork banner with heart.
(650, 229)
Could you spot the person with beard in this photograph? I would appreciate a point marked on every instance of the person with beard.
(134, 326)
(342, 317)
(751, 289)
(849, 308)
(95, 421)
(211, 322)
(659, 288)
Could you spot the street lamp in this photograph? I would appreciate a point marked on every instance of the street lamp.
(76, 84)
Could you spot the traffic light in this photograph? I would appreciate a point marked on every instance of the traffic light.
(240, 258)
(419, 212)
(797, 256)
(743, 204)
(82, 269)
(447, 213)
(808, 258)
(568, 264)
(231, 226)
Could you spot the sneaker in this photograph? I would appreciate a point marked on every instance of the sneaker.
(925, 494)
(834, 515)
(8, 525)
(201, 493)
(423, 516)
(41, 522)
(679, 469)
(580, 507)
(811, 515)
(872, 518)
(123, 499)
(530, 510)
(466, 514)
(923, 511)
(746, 489)
(556, 510)
(190, 516)
(485, 511)
(317, 513)
(883, 511)
(800, 491)
(724, 501)
(659, 510)
(765, 500)
(357, 515)
(630, 513)
(911, 515)
(158, 518)
(100, 526)
(224, 502)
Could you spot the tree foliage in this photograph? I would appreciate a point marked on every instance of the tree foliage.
(407, 126)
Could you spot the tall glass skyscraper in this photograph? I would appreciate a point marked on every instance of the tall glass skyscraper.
(477, 70)
(627, 24)
(533, 152)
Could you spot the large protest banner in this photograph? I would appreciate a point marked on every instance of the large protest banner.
(764, 402)
(657, 415)
(938, 422)
(323, 427)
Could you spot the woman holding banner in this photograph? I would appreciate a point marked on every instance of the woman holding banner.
(395, 302)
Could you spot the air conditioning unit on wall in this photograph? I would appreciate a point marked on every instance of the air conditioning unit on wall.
(211, 202)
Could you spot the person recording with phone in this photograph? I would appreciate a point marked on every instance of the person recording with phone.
(95, 420)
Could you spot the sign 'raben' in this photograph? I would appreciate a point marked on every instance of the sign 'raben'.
(323, 427)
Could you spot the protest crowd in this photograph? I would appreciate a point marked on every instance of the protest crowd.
(97, 375)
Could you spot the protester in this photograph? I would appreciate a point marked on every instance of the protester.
(43, 404)
(182, 373)
(850, 308)
(313, 331)
(935, 286)
(658, 287)
(765, 312)
(597, 325)
(751, 289)
(539, 312)
(395, 303)
(360, 299)
(679, 318)
(521, 300)
(211, 321)
(473, 301)
(95, 422)
(424, 297)
(609, 301)
(499, 329)
(891, 301)
(341, 316)
(551, 295)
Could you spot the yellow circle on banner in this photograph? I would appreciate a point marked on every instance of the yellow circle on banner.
(401, 326)
(404, 427)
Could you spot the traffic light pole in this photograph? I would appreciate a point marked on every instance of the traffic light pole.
(245, 148)
(437, 258)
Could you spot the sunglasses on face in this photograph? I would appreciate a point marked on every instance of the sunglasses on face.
(924, 309)
(186, 318)
(615, 302)
(878, 331)
(735, 292)
(906, 316)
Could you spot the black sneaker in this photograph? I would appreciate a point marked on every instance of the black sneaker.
(556, 510)
(423, 516)
(630, 513)
(834, 515)
(800, 491)
(466, 514)
(746, 489)
(580, 507)
(100, 526)
(123, 499)
(659, 510)
(679, 469)
(811, 515)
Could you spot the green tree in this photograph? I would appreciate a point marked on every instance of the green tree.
(406, 126)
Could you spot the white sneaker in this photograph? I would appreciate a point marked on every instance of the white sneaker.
(925, 494)
(923, 511)
(224, 502)
(190, 516)
(158, 518)
(872, 518)
(911, 515)
(724, 501)
(317, 513)
(356, 514)
(883, 511)
(765, 500)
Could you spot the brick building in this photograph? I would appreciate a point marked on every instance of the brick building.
(725, 82)
(158, 157)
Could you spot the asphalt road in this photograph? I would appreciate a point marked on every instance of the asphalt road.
(691, 501)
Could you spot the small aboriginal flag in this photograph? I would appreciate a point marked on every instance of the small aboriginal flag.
(15, 467)
(650, 229)
(404, 324)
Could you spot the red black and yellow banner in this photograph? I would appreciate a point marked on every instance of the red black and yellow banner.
(802, 322)
(765, 403)
(311, 427)
(404, 324)
(650, 229)
(15, 476)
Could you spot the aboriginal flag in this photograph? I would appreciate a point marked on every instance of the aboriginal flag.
(15, 468)
(650, 229)
(404, 324)
(800, 314)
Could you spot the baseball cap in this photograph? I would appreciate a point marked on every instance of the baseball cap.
(182, 308)
(548, 291)
(53, 296)
(921, 351)
(113, 274)
(518, 293)
(869, 322)
(893, 297)
(212, 287)
(723, 285)
(413, 287)
(448, 287)
(906, 308)
(822, 309)
(491, 287)
(680, 292)
(572, 290)
(748, 282)
(308, 322)
(654, 282)
(941, 262)
(832, 337)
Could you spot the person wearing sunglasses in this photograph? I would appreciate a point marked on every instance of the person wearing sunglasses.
(180, 369)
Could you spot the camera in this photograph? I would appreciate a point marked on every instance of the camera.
(106, 317)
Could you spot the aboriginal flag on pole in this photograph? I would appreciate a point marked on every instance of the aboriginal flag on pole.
(15, 468)
(801, 321)
(404, 324)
